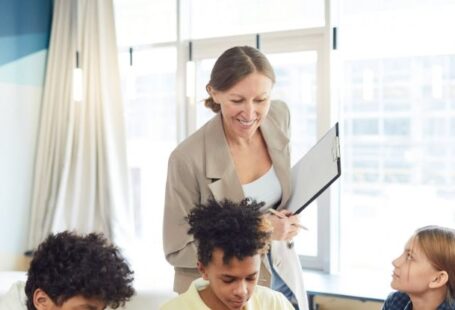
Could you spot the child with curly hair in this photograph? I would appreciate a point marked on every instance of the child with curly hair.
(230, 239)
(73, 272)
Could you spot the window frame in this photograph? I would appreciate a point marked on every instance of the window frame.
(314, 39)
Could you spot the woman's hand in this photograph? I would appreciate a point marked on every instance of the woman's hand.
(285, 225)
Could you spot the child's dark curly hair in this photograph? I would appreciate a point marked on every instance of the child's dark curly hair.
(236, 228)
(66, 265)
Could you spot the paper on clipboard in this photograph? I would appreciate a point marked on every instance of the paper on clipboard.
(315, 171)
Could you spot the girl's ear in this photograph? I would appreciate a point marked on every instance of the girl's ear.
(202, 270)
(439, 280)
(41, 300)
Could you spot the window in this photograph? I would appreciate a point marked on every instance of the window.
(297, 79)
(296, 85)
(233, 17)
(150, 139)
(203, 69)
(150, 86)
(142, 22)
(397, 107)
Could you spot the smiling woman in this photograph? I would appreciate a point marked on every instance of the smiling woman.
(243, 106)
(246, 142)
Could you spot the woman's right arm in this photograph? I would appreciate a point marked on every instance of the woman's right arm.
(182, 193)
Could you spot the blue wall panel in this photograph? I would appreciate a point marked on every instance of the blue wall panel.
(24, 28)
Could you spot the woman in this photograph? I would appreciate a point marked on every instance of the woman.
(242, 152)
(424, 274)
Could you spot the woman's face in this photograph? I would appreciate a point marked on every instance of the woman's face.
(245, 105)
(413, 271)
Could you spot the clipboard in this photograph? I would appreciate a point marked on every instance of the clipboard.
(315, 171)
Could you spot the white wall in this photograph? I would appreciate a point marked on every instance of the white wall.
(19, 114)
(24, 39)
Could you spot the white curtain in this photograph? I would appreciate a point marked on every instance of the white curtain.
(81, 177)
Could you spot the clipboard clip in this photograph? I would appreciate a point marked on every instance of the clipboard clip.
(336, 154)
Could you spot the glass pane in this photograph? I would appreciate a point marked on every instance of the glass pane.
(296, 85)
(398, 106)
(141, 22)
(203, 69)
(150, 139)
(232, 17)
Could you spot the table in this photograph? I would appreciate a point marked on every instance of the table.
(364, 287)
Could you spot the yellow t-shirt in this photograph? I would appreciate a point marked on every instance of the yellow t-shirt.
(263, 298)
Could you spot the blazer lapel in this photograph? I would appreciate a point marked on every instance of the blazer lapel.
(278, 145)
(219, 165)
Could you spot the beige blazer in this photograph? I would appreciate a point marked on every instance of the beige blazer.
(201, 167)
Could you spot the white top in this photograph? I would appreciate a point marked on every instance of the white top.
(263, 298)
(267, 189)
(15, 298)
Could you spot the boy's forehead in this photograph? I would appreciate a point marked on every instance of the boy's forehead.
(218, 256)
(80, 302)
(233, 263)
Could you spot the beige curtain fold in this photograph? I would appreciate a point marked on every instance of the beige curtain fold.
(81, 178)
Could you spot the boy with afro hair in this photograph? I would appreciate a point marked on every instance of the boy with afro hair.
(73, 272)
(230, 239)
